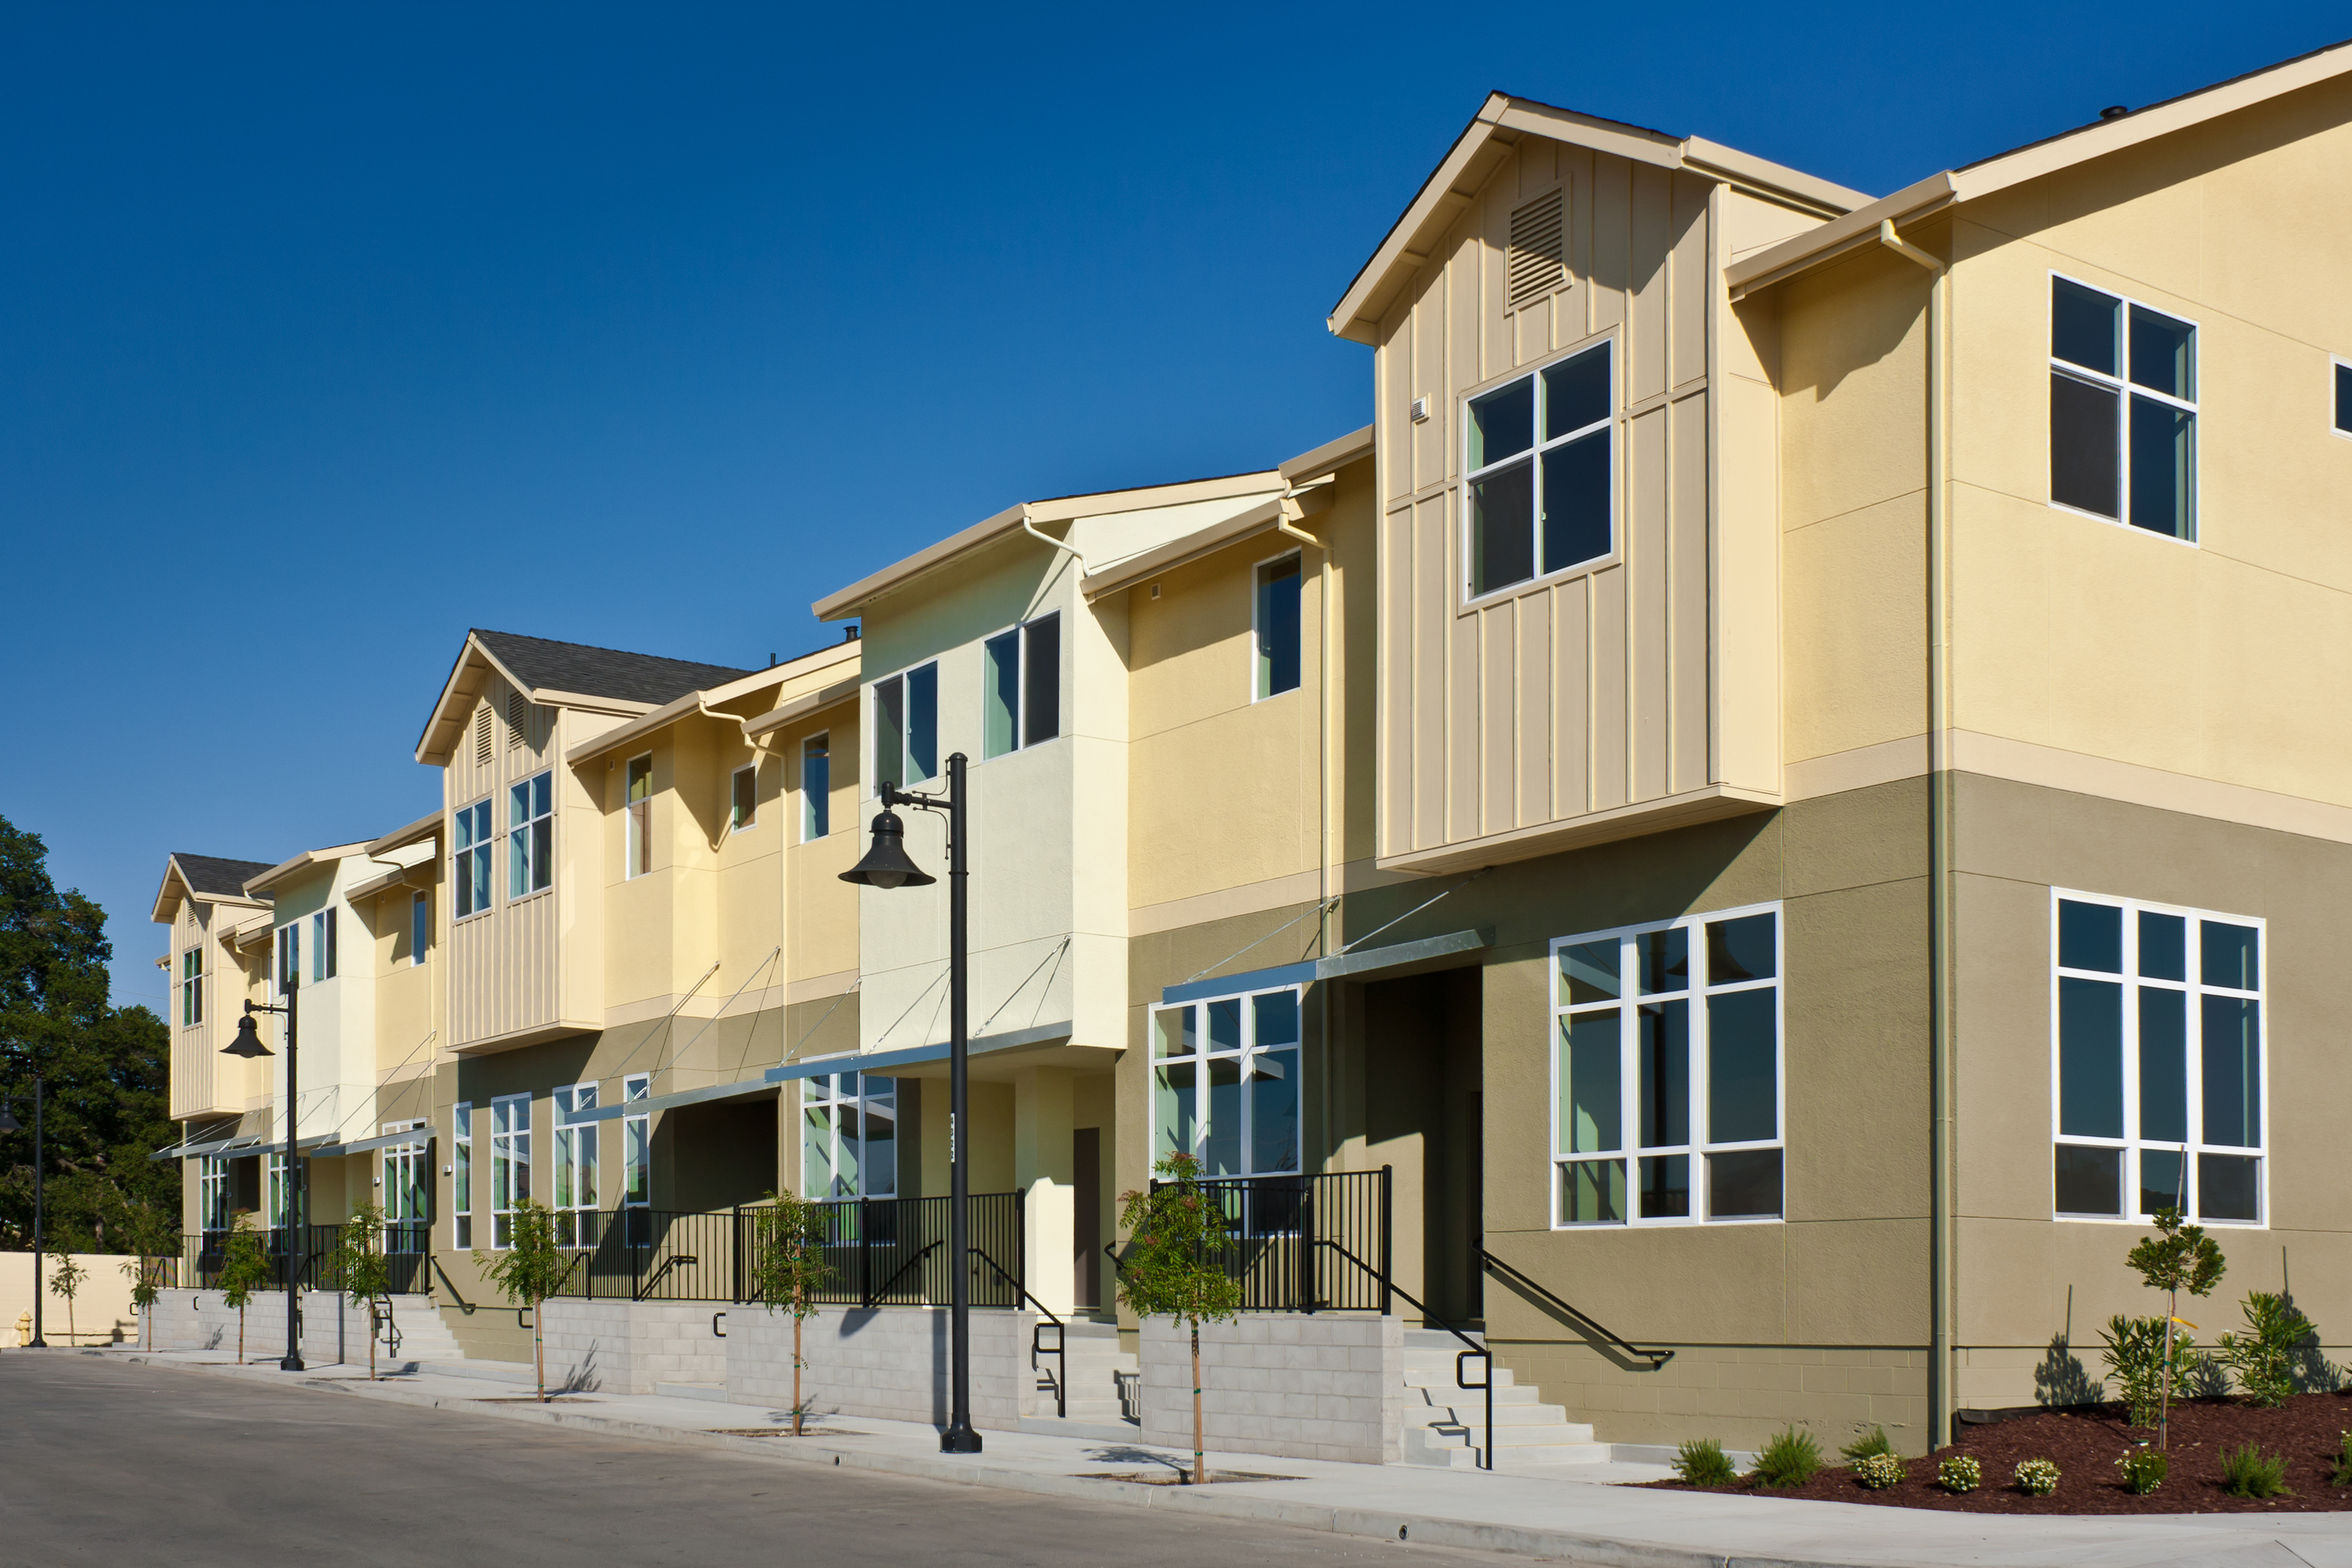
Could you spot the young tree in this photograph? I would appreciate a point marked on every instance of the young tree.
(2179, 1257)
(1175, 1227)
(531, 1269)
(65, 1282)
(788, 1268)
(245, 1269)
(152, 1239)
(360, 1269)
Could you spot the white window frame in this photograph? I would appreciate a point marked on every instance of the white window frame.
(736, 797)
(888, 769)
(409, 1160)
(1696, 991)
(472, 865)
(576, 1167)
(530, 849)
(1247, 1052)
(636, 820)
(2339, 368)
(461, 1176)
(1021, 631)
(273, 1194)
(817, 803)
(420, 930)
(1614, 424)
(2193, 1056)
(212, 1193)
(192, 986)
(322, 944)
(823, 1102)
(510, 1164)
(2128, 389)
(636, 1144)
(1257, 628)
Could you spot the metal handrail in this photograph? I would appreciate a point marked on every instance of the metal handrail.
(1520, 1280)
(666, 1264)
(1461, 1375)
(1060, 1353)
(904, 1269)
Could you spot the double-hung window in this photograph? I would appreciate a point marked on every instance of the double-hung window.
(510, 1163)
(2157, 1078)
(290, 956)
(816, 787)
(849, 1136)
(322, 945)
(192, 985)
(407, 1214)
(575, 1169)
(1021, 702)
(743, 798)
(530, 835)
(1225, 1083)
(907, 727)
(420, 926)
(469, 868)
(637, 854)
(1275, 617)
(2122, 410)
(1666, 1072)
(1538, 456)
(461, 1176)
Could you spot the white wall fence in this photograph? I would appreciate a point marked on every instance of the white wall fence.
(99, 1314)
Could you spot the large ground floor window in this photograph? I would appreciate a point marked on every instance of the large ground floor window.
(1666, 1072)
(575, 1169)
(1225, 1081)
(510, 1163)
(2156, 1089)
(212, 1193)
(407, 1177)
(849, 1136)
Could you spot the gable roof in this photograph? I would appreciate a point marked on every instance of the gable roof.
(205, 876)
(563, 674)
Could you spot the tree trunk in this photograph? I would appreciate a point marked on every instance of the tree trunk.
(240, 1336)
(796, 1364)
(2164, 1410)
(1200, 1464)
(539, 1349)
(371, 1340)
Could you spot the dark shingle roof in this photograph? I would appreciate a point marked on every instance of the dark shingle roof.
(603, 671)
(210, 875)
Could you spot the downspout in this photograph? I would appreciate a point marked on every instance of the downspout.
(1030, 529)
(1941, 1403)
(1286, 516)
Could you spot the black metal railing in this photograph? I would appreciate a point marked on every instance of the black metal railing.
(1576, 1317)
(1284, 1234)
(307, 1258)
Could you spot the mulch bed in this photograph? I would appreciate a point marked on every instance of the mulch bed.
(2087, 1439)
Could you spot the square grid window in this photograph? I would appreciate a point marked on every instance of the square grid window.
(744, 799)
(1666, 1073)
(2156, 1070)
(907, 727)
(510, 1163)
(816, 787)
(575, 1169)
(1225, 1083)
(1021, 702)
(2122, 410)
(407, 1213)
(637, 853)
(1539, 456)
(469, 865)
(849, 1136)
(1275, 628)
(192, 986)
(530, 835)
(461, 1176)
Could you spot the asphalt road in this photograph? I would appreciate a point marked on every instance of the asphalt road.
(106, 1463)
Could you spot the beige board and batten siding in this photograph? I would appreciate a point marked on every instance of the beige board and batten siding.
(1508, 723)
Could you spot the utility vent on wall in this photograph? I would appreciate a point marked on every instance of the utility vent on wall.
(516, 711)
(1539, 254)
(482, 737)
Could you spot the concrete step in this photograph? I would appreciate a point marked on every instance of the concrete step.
(492, 1371)
(424, 1336)
(1445, 1381)
(1473, 1412)
(1100, 1429)
(711, 1391)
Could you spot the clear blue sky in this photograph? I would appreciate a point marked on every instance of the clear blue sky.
(328, 331)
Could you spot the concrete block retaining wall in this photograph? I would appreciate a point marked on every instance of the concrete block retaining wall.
(1320, 1387)
(887, 1361)
(332, 1330)
(628, 1347)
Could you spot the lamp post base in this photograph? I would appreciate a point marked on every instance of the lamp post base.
(292, 1364)
(959, 1440)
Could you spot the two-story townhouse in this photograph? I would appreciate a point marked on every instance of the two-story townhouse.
(220, 1103)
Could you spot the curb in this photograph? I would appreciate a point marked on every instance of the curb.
(1381, 1524)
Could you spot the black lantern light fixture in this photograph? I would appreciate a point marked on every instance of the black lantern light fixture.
(886, 866)
(248, 1044)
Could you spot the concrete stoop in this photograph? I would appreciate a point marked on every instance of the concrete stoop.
(1444, 1426)
(1099, 1402)
(423, 1336)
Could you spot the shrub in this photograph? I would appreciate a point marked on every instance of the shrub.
(1960, 1474)
(1861, 1449)
(2248, 1472)
(2144, 1470)
(1791, 1459)
(1700, 1462)
(2339, 1473)
(2037, 1478)
(2264, 1357)
(2134, 1355)
(1878, 1471)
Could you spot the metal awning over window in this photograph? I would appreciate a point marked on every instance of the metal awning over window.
(1430, 952)
(420, 1135)
(244, 1144)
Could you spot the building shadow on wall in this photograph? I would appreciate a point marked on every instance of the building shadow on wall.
(2062, 1378)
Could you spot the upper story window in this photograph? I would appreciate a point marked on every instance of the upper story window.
(530, 835)
(907, 727)
(1666, 1070)
(849, 1136)
(637, 854)
(420, 926)
(1538, 460)
(469, 865)
(1021, 702)
(322, 945)
(192, 986)
(743, 798)
(1225, 1083)
(2122, 410)
(290, 956)
(1274, 628)
(816, 787)
(2156, 1066)
(2342, 402)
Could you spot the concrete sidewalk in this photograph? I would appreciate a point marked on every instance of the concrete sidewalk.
(1570, 1512)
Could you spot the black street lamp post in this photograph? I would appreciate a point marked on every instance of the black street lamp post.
(248, 1044)
(886, 865)
(9, 1124)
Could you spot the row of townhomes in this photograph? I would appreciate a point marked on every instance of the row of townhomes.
(1730, 845)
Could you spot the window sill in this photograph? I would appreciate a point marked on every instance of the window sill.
(1471, 603)
(2059, 506)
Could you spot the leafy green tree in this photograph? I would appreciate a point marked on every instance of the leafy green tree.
(2177, 1257)
(529, 1271)
(360, 1269)
(245, 1269)
(788, 1268)
(64, 1283)
(106, 1070)
(1177, 1227)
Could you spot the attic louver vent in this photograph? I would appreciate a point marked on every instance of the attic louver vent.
(482, 737)
(1539, 254)
(517, 711)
